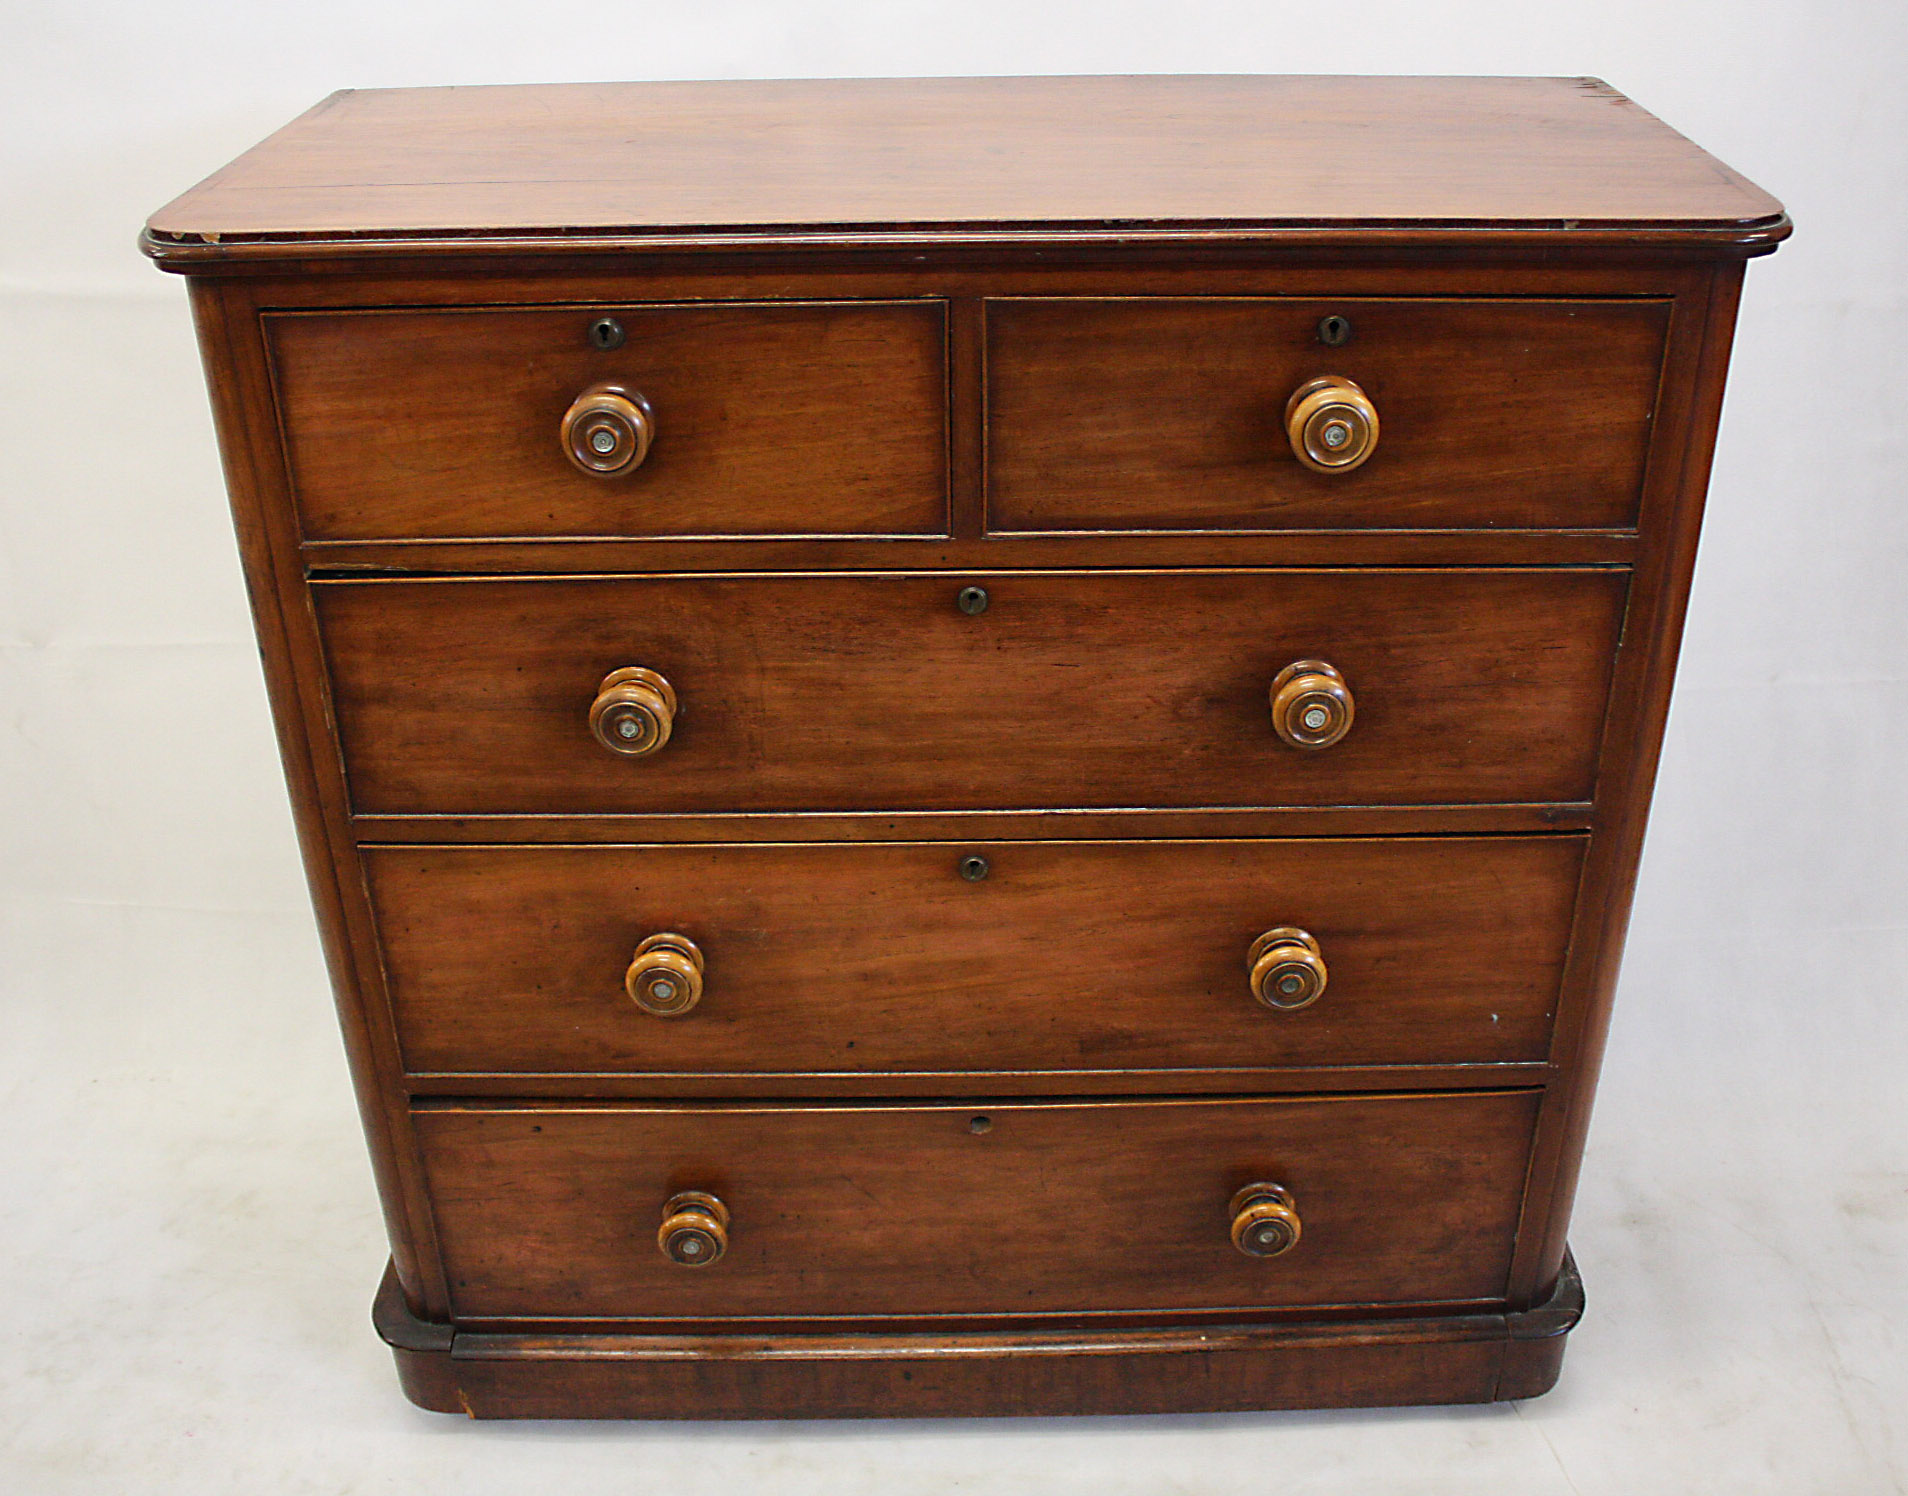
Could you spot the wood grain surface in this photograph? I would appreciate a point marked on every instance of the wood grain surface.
(875, 692)
(1554, 154)
(1068, 955)
(794, 419)
(551, 1211)
(1167, 413)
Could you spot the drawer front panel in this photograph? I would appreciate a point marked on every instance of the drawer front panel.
(823, 418)
(553, 1211)
(1169, 414)
(1067, 956)
(868, 692)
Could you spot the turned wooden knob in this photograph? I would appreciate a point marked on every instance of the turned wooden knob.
(665, 975)
(1332, 424)
(694, 1230)
(1311, 704)
(607, 430)
(1287, 971)
(1265, 1220)
(634, 712)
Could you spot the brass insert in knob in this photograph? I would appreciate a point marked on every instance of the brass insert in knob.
(1332, 424)
(1286, 970)
(665, 975)
(634, 712)
(1311, 704)
(607, 430)
(694, 1230)
(1265, 1220)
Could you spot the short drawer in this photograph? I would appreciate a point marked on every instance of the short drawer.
(553, 1212)
(769, 419)
(858, 692)
(1170, 413)
(1064, 956)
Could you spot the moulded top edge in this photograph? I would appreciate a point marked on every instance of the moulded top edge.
(859, 163)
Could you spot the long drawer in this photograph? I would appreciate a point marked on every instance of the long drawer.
(1064, 956)
(548, 1211)
(872, 692)
(1170, 413)
(772, 419)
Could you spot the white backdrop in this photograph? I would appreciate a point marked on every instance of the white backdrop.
(188, 1237)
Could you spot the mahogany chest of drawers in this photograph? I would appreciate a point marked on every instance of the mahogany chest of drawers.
(971, 746)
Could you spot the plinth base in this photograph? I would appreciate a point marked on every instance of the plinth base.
(1447, 1358)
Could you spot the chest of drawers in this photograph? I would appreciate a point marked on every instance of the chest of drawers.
(971, 746)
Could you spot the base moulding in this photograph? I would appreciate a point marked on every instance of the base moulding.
(1433, 1358)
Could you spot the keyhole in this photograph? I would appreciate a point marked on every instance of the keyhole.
(1334, 331)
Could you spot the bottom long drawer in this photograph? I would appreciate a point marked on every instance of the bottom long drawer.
(548, 1211)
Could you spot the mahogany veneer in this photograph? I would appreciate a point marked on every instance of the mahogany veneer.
(971, 746)
(921, 1211)
(857, 692)
(1163, 413)
(793, 419)
(1111, 956)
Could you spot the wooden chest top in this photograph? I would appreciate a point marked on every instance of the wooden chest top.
(566, 166)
